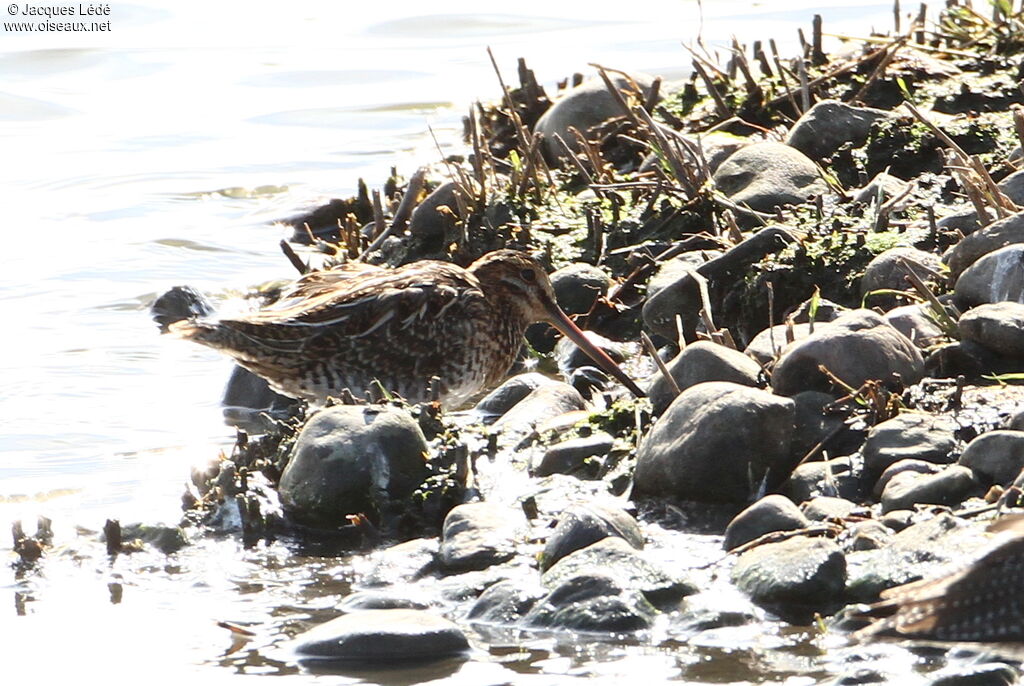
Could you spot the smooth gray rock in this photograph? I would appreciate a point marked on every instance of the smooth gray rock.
(583, 108)
(428, 221)
(505, 602)
(995, 277)
(947, 487)
(858, 346)
(614, 557)
(382, 637)
(997, 457)
(916, 466)
(570, 456)
(885, 272)
(699, 362)
(592, 603)
(765, 175)
(996, 235)
(379, 600)
(806, 572)
(822, 508)
(478, 535)
(717, 441)
(838, 478)
(504, 397)
(578, 286)
(675, 269)
(996, 326)
(910, 436)
(913, 322)
(770, 513)
(346, 458)
(543, 403)
(582, 525)
(888, 185)
(769, 343)
(829, 124)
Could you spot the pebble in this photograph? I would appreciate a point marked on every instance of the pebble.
(770, 513)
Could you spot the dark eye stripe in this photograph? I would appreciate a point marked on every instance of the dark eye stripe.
(528, 275)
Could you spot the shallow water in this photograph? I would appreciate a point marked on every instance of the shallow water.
(157, 154)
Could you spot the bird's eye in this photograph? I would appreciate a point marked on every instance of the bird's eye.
(528, 275)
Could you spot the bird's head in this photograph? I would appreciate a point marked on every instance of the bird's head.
(521, 283)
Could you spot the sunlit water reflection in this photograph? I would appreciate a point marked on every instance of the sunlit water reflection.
(157, 155)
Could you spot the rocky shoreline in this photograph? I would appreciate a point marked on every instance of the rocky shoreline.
(813, 265)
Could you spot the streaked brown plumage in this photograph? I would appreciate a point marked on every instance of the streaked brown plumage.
(982, 602)
(344, 329)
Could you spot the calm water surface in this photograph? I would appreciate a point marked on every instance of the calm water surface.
(157, 154)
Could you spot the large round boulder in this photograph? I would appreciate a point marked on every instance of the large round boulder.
(858, 346)
(348, 459)
(716, 442)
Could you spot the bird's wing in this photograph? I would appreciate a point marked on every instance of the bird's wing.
(377, 304)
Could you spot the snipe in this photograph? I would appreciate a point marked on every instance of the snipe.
(981, 602)
(401, 327)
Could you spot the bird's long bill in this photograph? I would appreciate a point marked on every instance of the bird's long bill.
(560, 320)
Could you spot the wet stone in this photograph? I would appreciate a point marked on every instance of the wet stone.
(699, 362)
(996, 326)
(569, 457)
(505, 602)
(582, 525)
(948, 487)
(996, 457)
(978, 675)
(770, 513)
(615, 557)
(180, 302)
(542, 404)
(504, 397)
(858, 346)
(995, 277)
(379, 600)
(382, 637)
(804, 573)
(348, 458)
(429, 221)
(478, 535)
(592, 603)
(910, 436)
(764, 175)
(813, 424)
(829, 124)
(401, 563)
(716, 442)
(840, 477)
(578, 286)
(867, 535)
